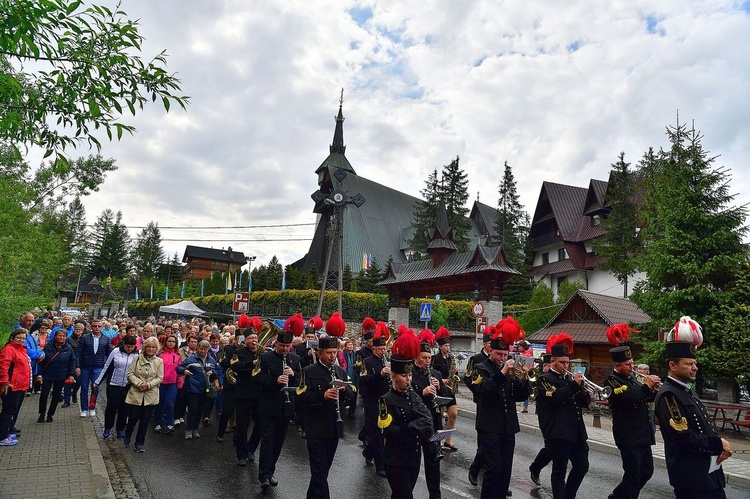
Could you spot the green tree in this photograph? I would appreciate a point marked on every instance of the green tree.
(274, 273)
(346, 278)
(620, 245)
(540, 310)
(425, 216)
(112, 243)
(730, 324)
(75, 217)
(68, 70)
(147, 254)
(454, 190)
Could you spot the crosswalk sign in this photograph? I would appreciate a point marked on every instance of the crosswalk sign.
(425, 312)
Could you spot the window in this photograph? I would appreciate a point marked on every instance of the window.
(595, 220)
(561, 254)
(545, 258)
(560, 280)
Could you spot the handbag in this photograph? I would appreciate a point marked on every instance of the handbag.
(211, 391)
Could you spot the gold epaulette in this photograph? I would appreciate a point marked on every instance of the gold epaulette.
(256, 371)
(477, 380)
(385, 419)
(302, 385)
(354, 388)
(620, 389)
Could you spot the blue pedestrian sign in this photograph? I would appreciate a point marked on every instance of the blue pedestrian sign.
(425, 312)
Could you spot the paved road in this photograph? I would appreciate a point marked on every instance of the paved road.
(173, 467)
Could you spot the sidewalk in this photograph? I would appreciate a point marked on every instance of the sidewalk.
(61, 459)
(736, 468)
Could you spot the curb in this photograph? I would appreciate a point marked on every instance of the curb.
(101, 483)
(739, 481)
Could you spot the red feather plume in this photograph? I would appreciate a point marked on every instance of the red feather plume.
(243, 321)
(368, 325)
(295, 325)
(402, 328)
(508, 329)
(618, 334)
(426, 336)
(406, 346)
(564, 339)
(381, 331)
(551, 341)
(315, 322)
(256, 324)
(335, 326)
(490, 329)
(442, 332)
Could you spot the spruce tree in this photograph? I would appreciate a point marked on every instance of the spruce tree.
(425, 215)
(620, 245)
(454, 190)
(147, 254)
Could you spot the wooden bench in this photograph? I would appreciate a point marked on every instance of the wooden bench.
(740, 423)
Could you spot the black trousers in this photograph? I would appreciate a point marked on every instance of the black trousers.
(140, 414)
(637, 467)
(542, 459)
(431, 470)
(563, 451)
(195, 402)
(478, 463)
(116, 406)
(56, 387)
(374, 444)
(272, 435)
(246, 410)
(321, 452)
(497, 455)
(227, 410)
(11, 404)
(699, 494)
(402, 481)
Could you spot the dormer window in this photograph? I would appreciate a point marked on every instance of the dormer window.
(595, 220)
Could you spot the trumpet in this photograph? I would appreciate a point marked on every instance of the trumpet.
(641, 378)
(594, 390)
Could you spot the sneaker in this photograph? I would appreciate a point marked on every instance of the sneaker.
(107, 432)
(220, 439)
(8, 442)
(196, 434)
(121, 434)
(169, 430)
(84, 414)
(177, 421)
(126, 440)
(92, 413)
(242, 462)
(13, 436)
(188, 435)
(139, 449)
(157, 429)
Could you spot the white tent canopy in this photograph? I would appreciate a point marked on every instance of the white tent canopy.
(185, 307)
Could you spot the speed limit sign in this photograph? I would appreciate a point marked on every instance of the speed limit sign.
(478, 309)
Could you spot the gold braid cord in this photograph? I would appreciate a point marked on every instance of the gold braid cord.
(256, 371)
(302, 385)
(548, 389)
(385, 419)
(677, 421)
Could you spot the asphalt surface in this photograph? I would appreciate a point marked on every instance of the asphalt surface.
(175, 468)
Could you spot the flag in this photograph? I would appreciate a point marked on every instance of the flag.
(229, 282)
(283, 280)
(182, 293)
(240, 285)
(365, 266)
(249, 283)
(136, 294)
(152, 293)
(201, 288)
(166, 294)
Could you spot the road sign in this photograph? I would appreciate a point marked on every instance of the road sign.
(481, 325)
(478, 309)
(425, 312)
(241, 302)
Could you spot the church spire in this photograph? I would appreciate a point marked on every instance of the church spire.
(338, 134)
(441, 237)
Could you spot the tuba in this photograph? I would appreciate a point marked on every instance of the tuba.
(268, 331)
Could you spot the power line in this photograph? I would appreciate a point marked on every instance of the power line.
(241, 240)
(176, 227)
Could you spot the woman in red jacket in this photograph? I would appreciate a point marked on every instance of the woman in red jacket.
(15, 378)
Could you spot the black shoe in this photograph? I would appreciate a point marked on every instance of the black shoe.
(303, 434)
(509, 493)
(41, 419)
(535, 477)
(75, 400)
(242, 462)
(473, 477)
(450, 447)
(264, 485)
(220, 439)
(273, 481)
(66, 404)
(380, 473)
(49, 419)
(15, 430)
(251, 458)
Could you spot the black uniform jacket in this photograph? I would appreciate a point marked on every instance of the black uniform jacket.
(474, 361)
(419, 381)
(372, 385)
(272, 401)
(320, 414)
(406, 423)
(497, 395)
(305, 359)
(689, 439)
(241, 360)
(560, 404)
(631, 424)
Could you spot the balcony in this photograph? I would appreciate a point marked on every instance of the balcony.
(545, 240)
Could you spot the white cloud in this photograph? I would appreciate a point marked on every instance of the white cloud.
(556, 90)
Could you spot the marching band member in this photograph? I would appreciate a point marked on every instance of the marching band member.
(445, 363)
(276, 369)
(321, 402)
(560, 402)
(404, 420)
(498, 388)
(306, 352)
(427, 384)
(693, 449)
(476, 465)
(374, 380)
(544, 456)
(368, 330)
(631, 424)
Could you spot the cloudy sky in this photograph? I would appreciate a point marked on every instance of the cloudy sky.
(557, 89)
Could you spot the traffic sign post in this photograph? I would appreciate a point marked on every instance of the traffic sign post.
(478, 309)
(425, 312)
(481, 325)
(241, 303)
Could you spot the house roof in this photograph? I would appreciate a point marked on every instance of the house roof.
(566, 203)
(220, 255)
(484, 217)
(593, 313)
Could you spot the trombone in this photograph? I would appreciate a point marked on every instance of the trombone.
(594, 390)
